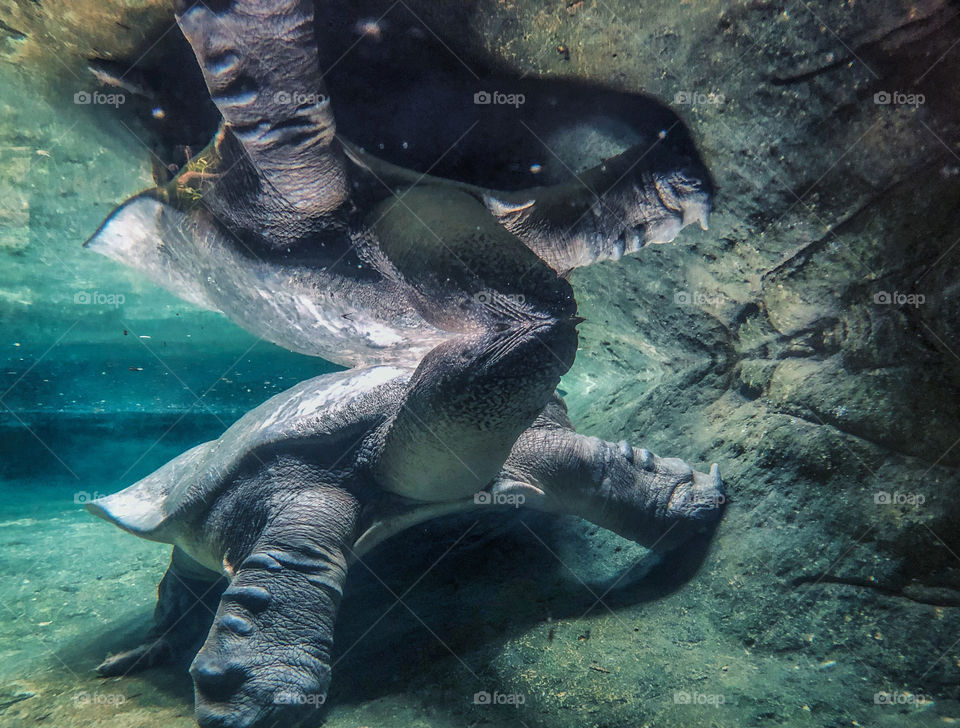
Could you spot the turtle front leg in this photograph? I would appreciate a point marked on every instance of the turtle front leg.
(186, 601)
(267, 658)
(657, 502)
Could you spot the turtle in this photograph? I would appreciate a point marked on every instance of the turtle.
(453, 301)
(266, 520)
(307, 240)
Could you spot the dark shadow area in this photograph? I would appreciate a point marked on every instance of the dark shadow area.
(414, 99)
(403, 94)
(480, 580)
(82, 656)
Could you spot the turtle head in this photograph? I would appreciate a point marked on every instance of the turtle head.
(468, 402)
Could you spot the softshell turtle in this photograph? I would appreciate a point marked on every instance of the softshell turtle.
(311, 243)
(315, 245)
(279, 506)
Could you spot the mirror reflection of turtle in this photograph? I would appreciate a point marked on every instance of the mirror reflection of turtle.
(308, 241)
(282, 224)
(278, 508)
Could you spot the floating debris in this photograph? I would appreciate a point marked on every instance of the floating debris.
(370, 28)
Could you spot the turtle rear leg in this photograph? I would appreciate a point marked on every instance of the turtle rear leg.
(267, 658)
(186, 602)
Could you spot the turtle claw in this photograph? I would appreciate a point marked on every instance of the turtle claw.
(701, 499)
(149, 654)
(694, 209)
(697, 210)
(662, 231)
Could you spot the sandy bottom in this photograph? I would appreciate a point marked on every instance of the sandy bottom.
(510, 611)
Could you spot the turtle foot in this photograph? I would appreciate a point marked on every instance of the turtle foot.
(641, 197)
(149, 654)
(265, 661)
(648, 202)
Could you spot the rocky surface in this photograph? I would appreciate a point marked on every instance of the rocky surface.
(808, 342)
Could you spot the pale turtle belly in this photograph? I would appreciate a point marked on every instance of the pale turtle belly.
(324, 311)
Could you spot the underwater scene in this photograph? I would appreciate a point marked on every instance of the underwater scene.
(481, 364)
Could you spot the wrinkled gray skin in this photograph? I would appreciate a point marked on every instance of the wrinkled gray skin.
(287, 498)
(281, 222)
